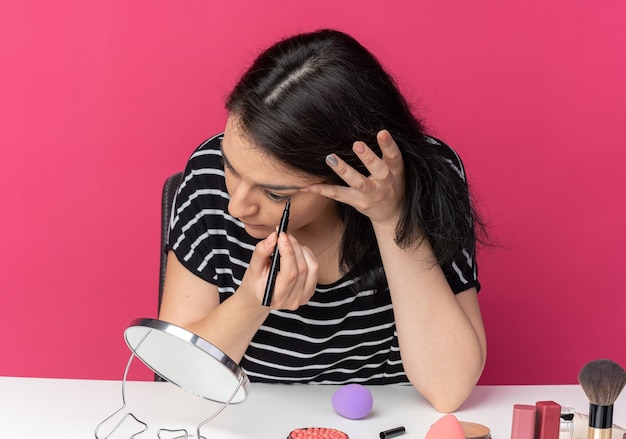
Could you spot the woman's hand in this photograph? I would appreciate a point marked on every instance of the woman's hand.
(193, 303)
(296, 280)
(381, 194)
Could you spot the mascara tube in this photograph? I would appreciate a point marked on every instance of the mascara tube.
(275, 258)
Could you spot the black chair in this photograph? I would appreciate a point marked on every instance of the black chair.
(167, 199)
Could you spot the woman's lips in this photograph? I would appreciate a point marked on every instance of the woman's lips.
(254, 226)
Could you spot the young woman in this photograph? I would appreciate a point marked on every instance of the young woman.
(377, 281)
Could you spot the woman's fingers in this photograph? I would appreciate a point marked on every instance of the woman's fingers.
(297, 278)
(261, 254)
(352, 177)
(380, 168)
(390, 150)
(300, 272)
(378, 195)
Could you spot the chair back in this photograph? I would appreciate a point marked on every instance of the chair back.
(167, 199)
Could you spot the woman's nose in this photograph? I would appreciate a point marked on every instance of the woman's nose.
(241, 203)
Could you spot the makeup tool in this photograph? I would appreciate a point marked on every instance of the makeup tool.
(392, 432)
(602, 380)
(353, 401)
(524, 416)
(581, 422)
(447, 427)
(275, 258)
(548, 420)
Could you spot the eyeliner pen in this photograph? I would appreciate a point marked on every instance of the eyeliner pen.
(275, 258)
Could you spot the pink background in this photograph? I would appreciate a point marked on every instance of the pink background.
(101, 100)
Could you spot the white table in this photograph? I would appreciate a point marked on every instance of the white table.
(62, 408)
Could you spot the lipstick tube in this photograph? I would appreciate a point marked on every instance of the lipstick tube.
(548, 420)
(524, 416)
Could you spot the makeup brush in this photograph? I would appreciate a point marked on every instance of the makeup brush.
(602, 380)
(581, 420)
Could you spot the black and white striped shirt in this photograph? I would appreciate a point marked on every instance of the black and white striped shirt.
(341, 335)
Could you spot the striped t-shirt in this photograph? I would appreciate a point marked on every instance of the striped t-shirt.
(343, 334)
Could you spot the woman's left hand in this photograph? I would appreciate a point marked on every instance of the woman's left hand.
(381, 194)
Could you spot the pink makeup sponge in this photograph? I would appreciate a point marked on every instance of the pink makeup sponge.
(353, 401)
(447, 427)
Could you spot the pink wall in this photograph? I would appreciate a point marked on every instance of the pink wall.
(100, 101)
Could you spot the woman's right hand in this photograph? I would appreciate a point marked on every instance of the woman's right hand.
(296, 280)
(193, 303)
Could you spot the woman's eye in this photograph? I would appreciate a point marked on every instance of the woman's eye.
(276, 197)
(228, 168)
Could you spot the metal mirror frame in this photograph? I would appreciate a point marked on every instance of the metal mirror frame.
(197, 366)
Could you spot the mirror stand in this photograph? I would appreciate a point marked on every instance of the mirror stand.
(152, 342)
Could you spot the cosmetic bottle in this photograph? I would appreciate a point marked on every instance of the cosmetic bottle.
(566, 430)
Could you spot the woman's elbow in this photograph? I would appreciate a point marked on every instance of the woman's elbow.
(449, 395)
(448, 402)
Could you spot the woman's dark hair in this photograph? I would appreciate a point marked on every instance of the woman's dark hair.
(316, 93)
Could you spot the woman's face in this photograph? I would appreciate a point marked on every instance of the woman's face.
(259, 187)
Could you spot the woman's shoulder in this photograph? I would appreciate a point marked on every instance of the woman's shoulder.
(448, 154)
(204, 170)
(205, 161)
(208, 150)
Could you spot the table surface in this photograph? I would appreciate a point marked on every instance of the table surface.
(66, 408)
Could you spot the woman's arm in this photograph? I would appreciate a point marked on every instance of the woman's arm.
(193, 303)
(441, 336)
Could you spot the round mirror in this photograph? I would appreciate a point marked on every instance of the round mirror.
(186, 360)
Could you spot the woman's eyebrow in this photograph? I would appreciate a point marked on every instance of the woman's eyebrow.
(226, 161)
(272, 187)
(278, 187)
